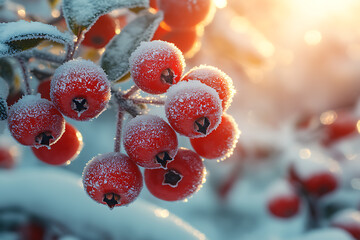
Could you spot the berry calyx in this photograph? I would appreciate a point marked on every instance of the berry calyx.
(182, 178)
(220, 142)
(100, 33)
(156, 65)
(186, 13)
(64, 150)
(34, 121)
(112, 179)
(80, 89)
(193, 109)
(150, 141)
(215, 78)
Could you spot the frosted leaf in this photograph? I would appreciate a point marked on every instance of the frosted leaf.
(4, 88)
(19, 36)
(115, 60)
(81, 14)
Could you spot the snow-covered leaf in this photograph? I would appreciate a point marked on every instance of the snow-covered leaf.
(3, 109)
(19, 36)
(115, 60)
(81, 14)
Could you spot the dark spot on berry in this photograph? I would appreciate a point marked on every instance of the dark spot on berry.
(98, 40)
(163, 158)
(44, 138)
(172, 178)
(202, 124)
(80, 105)
(167, 76)
(111, 199)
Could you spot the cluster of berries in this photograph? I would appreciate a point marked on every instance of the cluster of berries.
(194, 108)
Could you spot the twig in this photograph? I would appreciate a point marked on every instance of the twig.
(26, 75)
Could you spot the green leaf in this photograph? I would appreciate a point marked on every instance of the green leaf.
(81, 14)
(16, 37)
(115, 60)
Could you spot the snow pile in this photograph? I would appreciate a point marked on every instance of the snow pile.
(58, 195)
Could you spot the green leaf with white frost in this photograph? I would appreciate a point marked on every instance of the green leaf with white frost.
(115, 60)
(81, 14)
(16, 37)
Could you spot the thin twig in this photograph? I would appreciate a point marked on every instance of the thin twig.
(117, 143)
(154, 101)
(26, 75)
(131, 92)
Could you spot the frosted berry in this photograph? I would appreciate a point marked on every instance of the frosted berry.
(112, 179)
(282, 200)
(186, 13)
(182, 178)
(101, 32)
(348, 220)
(220, 142)
(63, 151)
(150, 141)
(193, 109)
(187, 40)
(317, 175)
(44, 89)
(8, 155)
(156, 65)
(34, 121)
(343, 125)
(215, 78)
(80, 89)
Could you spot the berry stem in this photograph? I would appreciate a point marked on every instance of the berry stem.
(154, 101)
(120, 116)
(72, 48)
(131, 91)
(314, 213)
(25, 72)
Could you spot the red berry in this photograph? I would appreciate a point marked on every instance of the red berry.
(283, 202)
(100, 33)
(348, 220)
(32, 231)
(156, 65)
(112, 179)
(215, 78)
(153, 4)
(14, 97)
(338, 125)
(8, 155)
(185, 13)
(44, 89)
(34, 121)
(220, 142)
(150, 141)
(80, 89)
(317, 175)
(187, 40)
(193, 109)
(65, 150)
(182, 178)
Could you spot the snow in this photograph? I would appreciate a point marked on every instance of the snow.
(347, 217)
(24, 30)
(65, 199)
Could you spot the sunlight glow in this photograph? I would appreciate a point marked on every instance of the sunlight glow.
(312, 37)
(220, 3)
(328, 117)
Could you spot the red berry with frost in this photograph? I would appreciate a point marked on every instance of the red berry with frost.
(185, 13)
(215, 78)
(112, 179)
(220, 142)
(63, 151)
(193, 109)
(338, 125)
(80, 89)
(101, 32)
(44, 89)
(187, 40)
(348, 220)
(34, 121)
(316, 175)
(282, 200)
(150, 141)
(181, 179)
(156, 65)
(8, 155)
